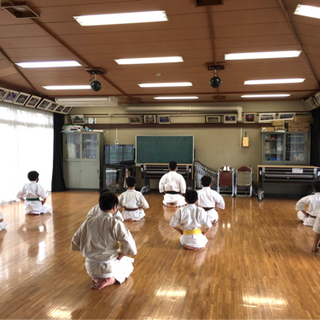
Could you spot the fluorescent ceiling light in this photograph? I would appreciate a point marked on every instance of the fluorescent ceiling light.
(49, 64)
(165, 84)
(149, 60)
(88, 101)
(175, 98)
(276, 95)
(262, 55)
(308, 11)
(274, 81)
(73, 87)
(121, 18)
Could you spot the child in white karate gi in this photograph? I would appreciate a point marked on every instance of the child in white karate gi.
(209, 199)
(3, 224)
(173, 185)
(133, 202)
(98, 238)
(316, 239)
(32, 193)
(96, 209)
(313, 203)
(191, 219)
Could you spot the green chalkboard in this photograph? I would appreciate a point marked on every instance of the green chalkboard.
(163, 149)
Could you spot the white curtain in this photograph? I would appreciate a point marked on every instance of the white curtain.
(26, 144)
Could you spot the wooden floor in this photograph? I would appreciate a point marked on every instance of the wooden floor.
(257, 265)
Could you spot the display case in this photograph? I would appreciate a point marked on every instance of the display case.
(83, 159)
(114, 177)
(285, 148)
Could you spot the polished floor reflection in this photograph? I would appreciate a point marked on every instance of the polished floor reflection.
(257, 265)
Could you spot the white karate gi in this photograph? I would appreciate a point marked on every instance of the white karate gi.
(96, 209)
(208, 198)
(316, 226)
(191, 217)
(173, 181)
(3, 224)
(313, 203)
(33, 190)
(132, 199)
(97, 239)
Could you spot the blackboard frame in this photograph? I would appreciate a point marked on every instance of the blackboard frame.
(163, 149)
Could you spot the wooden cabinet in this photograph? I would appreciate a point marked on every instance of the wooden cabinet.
(82, 159)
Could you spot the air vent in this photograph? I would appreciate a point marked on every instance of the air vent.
(200, 3)
(20, 10)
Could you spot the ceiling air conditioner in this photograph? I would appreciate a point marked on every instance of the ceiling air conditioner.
(88, 101)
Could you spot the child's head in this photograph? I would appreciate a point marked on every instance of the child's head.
(316, 186)
(191, 196)
(33, 175)
(131, 182)
(172, 165)
(105, 190)
(107, 201)
(206, 181)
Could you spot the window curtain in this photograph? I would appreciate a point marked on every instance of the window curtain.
(315, 139)
(26, 144)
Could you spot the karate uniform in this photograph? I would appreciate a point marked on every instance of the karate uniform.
(208, 198)
(96, 209)
(316, 226)
(191, 217)
(32, 191)
(97, 239)
(3, 224)
(133, 199)
(313, 203)
(173, 181)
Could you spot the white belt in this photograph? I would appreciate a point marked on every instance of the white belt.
(98, 261)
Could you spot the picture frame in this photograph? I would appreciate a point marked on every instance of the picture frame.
(11, 96)
(65, 110)
(59, 109)
(286, 116)
(249, 117)
(135, 120)
(229, 118)
(213, 119)
(267, 117)
(3, 93)
(22, 98)
(44, 104)
(52, 106)
(164, 119)
(149, 119)
(77, 119)
(33, 101)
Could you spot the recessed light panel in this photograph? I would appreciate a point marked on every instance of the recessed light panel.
(68, 87)
(149, 60)
(276, 95)
(121, 18)
(262, 55)
(165, 84)
(49, 64)
(176, 98)
(308, 11)
(274, 81)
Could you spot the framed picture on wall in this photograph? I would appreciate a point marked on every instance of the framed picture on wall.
(213, 119)
(11, 96)
(230, 118)
(149, 119)
(135, 120)
(163, 119)
(52, 106)
(21, 98)
(33, 101)
(44, 104)
(65, 110)
(267, 117)
(286, 116)
(249, 117)
(3, 93)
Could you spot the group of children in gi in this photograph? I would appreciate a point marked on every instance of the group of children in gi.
(99, 236)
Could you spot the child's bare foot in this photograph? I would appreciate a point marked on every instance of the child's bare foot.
(101, 283)
(191, 248)
(171, 205)
(129, 220)
(315, 249)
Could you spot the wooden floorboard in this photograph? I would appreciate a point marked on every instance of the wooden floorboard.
(257, 265)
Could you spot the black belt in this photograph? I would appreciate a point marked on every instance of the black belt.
(32, 199)
(172, 192)
(207, 209)
(131, 209)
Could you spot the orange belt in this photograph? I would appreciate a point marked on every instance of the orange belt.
(195, 231)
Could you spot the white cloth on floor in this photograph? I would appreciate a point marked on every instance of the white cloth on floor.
(208, 198)
(33, 190)
(132, 199)
(191, 217)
